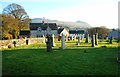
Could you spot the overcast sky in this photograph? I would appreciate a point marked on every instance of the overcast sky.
(94, 12)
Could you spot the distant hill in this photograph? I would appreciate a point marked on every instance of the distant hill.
(70, 25)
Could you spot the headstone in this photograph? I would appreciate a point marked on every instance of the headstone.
(75, 37)
(49, 43)
(107, 40)
(63, 42)
(111, 38)
(78, 40)
(93, 40)
(27, 42)
(43, 39)
(82, 36)
(14, 43)
(96, 39)
(72, 37)
(53, 40)
(87, 38)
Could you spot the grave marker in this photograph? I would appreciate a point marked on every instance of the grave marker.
(49, 43)
(87, 38)
(96, 39)
(78, 40)
(111, 38)
(53, 40)
(63, 42)
(93, 40)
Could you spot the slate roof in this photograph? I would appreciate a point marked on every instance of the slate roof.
(76, 32)
(34, 26)
(60, 30)
(25, 32)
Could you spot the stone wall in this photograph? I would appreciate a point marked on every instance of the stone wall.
(19, 42)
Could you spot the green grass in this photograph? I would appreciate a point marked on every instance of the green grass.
(34, 60)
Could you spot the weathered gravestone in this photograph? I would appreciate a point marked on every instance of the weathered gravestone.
(96, 39)
(43, 39)
(81, 36)
(14, 43)
(49, 42)
(72, 38)
(87, 38)
(53, 40)
(107, 40)
(111, 38)
(78, 40)
(63, 42)
(27, 41)
(93, 40)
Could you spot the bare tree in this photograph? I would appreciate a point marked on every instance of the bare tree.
(16, 11)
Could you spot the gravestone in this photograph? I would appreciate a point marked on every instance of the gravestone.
(93, 40)
(96, 39)
(75, 37)
(107, 40)
(82, 36)
(27, 42)
(72, 37)
(43, 39)
(111, 38)
(63, 42)
(49, 42)
(53, 40)
(78, 40)
(14, 43)
(87, 38)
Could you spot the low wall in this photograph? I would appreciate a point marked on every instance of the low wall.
(19, 42)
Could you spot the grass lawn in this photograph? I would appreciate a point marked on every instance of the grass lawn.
(34, 60)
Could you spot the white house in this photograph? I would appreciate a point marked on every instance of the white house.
(42, 29)
(63, 31)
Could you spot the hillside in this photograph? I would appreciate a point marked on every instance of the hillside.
(70, 25)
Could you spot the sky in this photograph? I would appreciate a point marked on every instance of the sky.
(94, 12)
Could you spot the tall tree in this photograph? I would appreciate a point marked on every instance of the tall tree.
(18, 12)
(10, 27)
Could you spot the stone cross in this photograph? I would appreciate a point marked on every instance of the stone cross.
(96, 39)
(93, 40)
(14, 42)
(63, 42)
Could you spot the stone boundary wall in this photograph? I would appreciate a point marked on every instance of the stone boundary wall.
(20, 42)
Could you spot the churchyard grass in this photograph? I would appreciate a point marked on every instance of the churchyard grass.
(34, 60)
